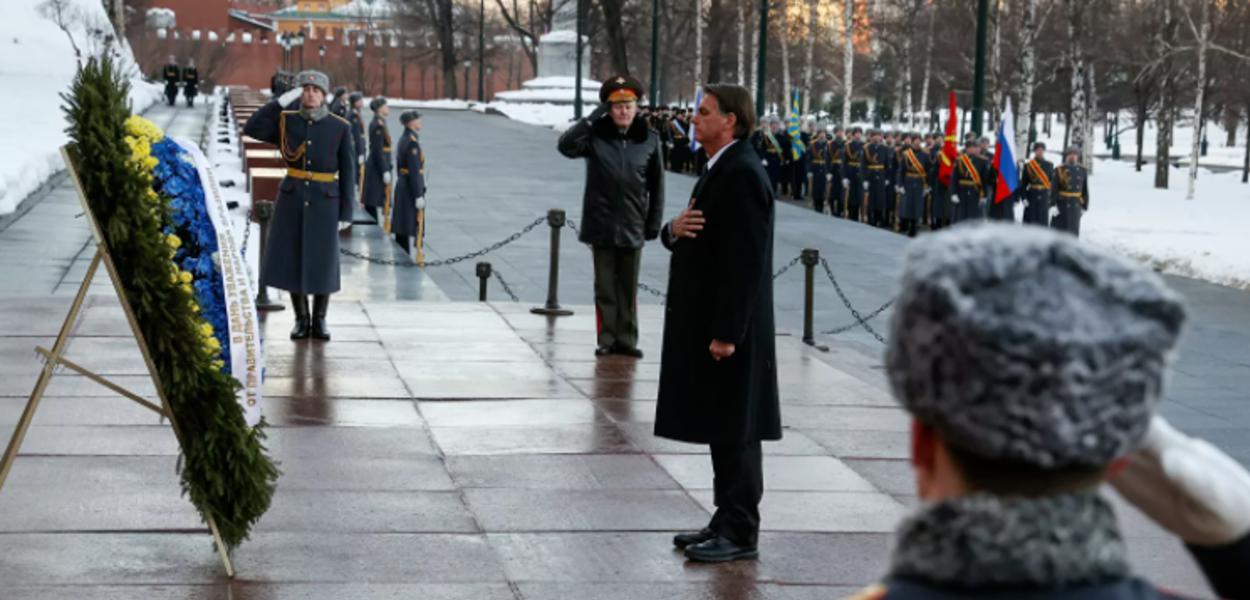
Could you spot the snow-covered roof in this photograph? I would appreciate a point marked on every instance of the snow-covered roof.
(378, 9)
(251, 19)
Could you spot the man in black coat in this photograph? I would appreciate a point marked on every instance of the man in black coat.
(407, 218)
(718, 375)
(172, 74)
(1035, 187)
(852, 175)
(190, 83)
(968, 181)
(376, 188)
(622, 207)
(356, 104)
(302, 255)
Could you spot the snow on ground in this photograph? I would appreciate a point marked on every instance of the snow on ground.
(37, 64)
(1203, 238)
(555, 116)
(444, 104)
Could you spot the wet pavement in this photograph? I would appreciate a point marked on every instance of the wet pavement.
(455, 450)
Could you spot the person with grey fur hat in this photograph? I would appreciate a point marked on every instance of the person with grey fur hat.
(376, 185)
(1031, 365)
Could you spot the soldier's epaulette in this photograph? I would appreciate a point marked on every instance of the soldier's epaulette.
(345, 121)
(875, 591)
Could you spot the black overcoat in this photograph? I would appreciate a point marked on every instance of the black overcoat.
(410, 184)
(720, 287)
(302, 255)
(378, 163)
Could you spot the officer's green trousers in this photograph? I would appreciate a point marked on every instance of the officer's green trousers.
(616, 295)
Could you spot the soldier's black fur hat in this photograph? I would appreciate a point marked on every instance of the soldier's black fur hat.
(355, 97)
(1039, 146)
(377, 103)
(339, 91)
(409, 116)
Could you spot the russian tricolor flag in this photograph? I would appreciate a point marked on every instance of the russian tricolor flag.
(1005, 158)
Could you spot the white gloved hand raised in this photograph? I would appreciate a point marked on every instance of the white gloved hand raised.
(1187, 486)
(764, 162)
(954, 199)
(421, 203)
(387, 178)
(846, 182)
(865, 185)
(290, 96)
(898, 188)
(829, 177)
(1054, 211)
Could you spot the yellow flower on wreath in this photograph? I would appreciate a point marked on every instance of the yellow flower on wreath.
(140, 127)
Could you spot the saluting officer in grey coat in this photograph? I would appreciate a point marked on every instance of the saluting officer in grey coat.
(1071, 196)
(1035, 186)
(410, 186)
(378, 167)
(302, 255)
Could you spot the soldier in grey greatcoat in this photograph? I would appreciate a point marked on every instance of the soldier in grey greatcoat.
(1071, 197)
(302, 255)
(355, 104)
(409, 198)
(378, 166)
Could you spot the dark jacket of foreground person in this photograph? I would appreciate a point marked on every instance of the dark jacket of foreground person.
(720, 287)
(623, 205)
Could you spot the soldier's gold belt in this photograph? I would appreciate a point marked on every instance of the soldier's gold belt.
(1070, 194)
(915, 176)
(405, 171)
(967, 182)
(876, 167)
(311, 175)
(1038, 187)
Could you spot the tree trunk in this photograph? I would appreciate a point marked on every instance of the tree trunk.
(442, 9)
(848, 59)
(1163, 146)
(1232, 121)
(809, 68)
(1028, 75)
(698, 43)
(1202, 37)
(1087, 151)
(784, 42)
(741, 43)
(1077, 123)
(1141, 129)
(928, 70)
(996, 92)
(618, 42)
(1245, 164)
(715, 33)
(752, 64)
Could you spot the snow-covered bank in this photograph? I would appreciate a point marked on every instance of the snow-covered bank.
(555, 116)
(37, 64)
(444, 104)
(1203, 238)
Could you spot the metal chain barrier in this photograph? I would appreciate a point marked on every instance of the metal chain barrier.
(504, 284)
(860, 321)
(407, 262)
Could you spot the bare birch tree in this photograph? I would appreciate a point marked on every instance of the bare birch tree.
(1201, 31)
(809, 68)
(742, 43)
(848, 58)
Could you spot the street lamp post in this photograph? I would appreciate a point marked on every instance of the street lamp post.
(322, 53)
(978, 78)
(468, 64)
(655, 53)
(577, 80)
(761, 64)
(490, 81)
(360, 65)
(481, 50)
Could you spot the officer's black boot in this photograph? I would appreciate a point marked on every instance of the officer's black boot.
(321, 303)
(299, 303)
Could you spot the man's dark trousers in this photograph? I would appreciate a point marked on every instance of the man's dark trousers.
(738, 485)
(616, 295)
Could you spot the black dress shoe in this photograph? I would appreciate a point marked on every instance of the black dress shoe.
(603, 351)
(720, 549)
(690, 538)
(302, 328)
(628, 351)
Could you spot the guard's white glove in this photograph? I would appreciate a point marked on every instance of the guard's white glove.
(982, 203)
(954, 199)
(865, 185)
(898, 188)
(764, 162)
(1054, 211)
(387, 178)
(290, 96)
(1025, 203)
(846, 182)
(1187, 486)
(829, 177)
(421, 203)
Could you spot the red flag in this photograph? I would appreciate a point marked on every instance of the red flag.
(949, 150)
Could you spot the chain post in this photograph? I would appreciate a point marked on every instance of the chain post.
(556, 219)
(810, 258)
(264, 214)
(483, 275)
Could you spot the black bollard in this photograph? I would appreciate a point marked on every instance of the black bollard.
(555, 218)
(262, 213)
(810, 257)
(483, 274)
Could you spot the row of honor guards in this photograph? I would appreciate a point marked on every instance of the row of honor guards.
(187, 77)
(322, 140)
(891, 180)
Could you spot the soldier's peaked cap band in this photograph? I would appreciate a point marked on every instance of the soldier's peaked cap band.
(622, 88)
(313, 77)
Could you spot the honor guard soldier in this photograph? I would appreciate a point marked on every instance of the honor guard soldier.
(356, 104)
(940, 207)
(968, 183)
(1035, 187)
(172, 76)
(852, 175)
(622, 206)
(339, 104)
(680, 150)
(378, 166)
(771, 152)
(1071, 183)
(894, 143)
(799, 166)
(837, 153)
(302, 255)
(818, 153)
(408, 218)
(190, 83)
(913, 167)
(876, 162)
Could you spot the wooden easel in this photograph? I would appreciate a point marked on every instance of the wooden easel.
(54, 358)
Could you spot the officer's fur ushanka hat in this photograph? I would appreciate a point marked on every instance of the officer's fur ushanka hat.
(313, 77)
(1027, 345)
